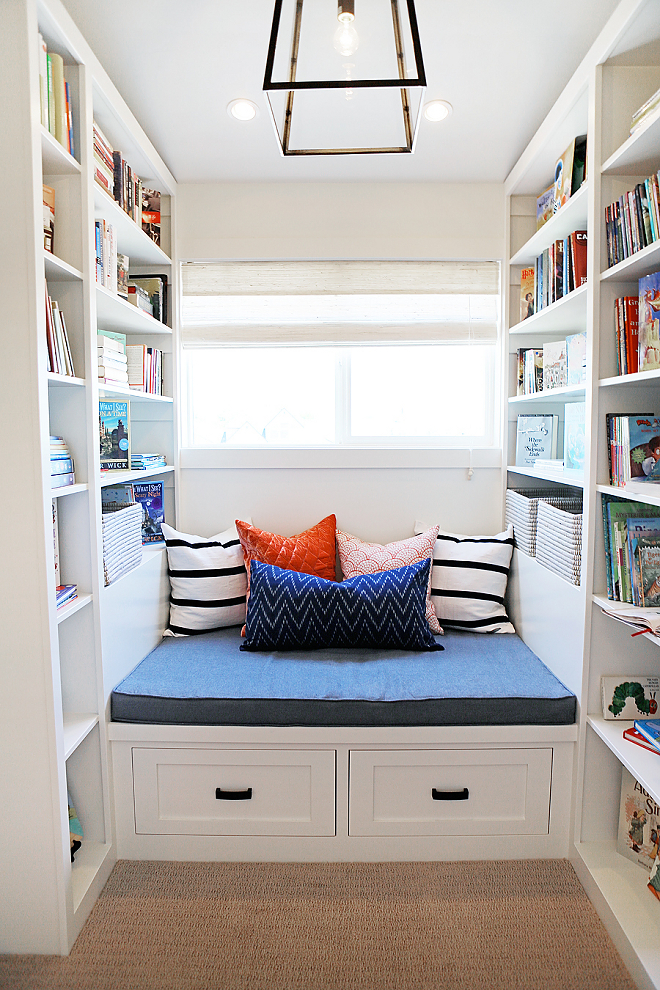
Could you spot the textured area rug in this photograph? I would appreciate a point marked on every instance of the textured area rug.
(334, 926)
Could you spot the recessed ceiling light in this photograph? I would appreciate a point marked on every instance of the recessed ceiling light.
(242, 109)
(437, 110)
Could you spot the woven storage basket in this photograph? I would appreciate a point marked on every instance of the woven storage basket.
(522, 511)
(559, 540)
(122, 540)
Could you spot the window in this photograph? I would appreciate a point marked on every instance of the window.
(329, 368)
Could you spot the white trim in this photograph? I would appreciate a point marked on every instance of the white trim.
(193, 458)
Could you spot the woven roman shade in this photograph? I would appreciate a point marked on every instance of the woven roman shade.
(333, 301)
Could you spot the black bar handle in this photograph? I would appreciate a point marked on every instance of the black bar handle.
(221, 795)
(450, 795)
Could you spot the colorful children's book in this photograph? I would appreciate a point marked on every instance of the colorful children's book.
(633, 736)
(630, 696)
(526, 293)
(639, 822)
(114, 435)
(649, 322)
(654, 878)
(554, 365)
(150, 496)
(643, 442)
(536, 437)
(650, 729)
(545, 206)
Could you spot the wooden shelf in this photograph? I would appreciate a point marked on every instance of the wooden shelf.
(64, 381)
(635, 266)
(132, 394)
(76, 728)
(620, 886)
(638, 378)
(114, 313)
(59, 271)
(55, 159)
(551, 395)
(72, 607)
(132, 240)
(567, 314)
(573, 479)
(123, 477)
(572, 216)
(640, 153)
(643, 765)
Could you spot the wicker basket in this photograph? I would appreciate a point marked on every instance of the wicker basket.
(559, 540)
(522, 511)
(122, 540)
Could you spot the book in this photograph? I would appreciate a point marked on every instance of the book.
(630, 696)
(139, 297)
(65, 594)
(555, 371)
(156, 288)
(626, 309)
(576, 358)
(60, 124)
(122, 275)
(649, 322)
(545, 206)
(563, 185)
(650, 729)
(536, 436)
(647, 108)
(111, 340)
(526, 293)
(579, 249)
(151, 214)
(62, 480)
(43, 81)
(150, 496)
(633, 736)
(49, 217)
(56, 542)
(654, 877)
(574, 436)
(114, 435)
(639, 823)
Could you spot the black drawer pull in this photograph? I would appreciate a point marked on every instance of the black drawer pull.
(450, 795)
(221, 795)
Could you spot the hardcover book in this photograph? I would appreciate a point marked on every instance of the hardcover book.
(150, 496)
(629, 696)
(649, 323)
(633, 736)
(536, 437)
(545, 206)
(643, 442)
(49, 217)
(555, 371)
(564, 177)
(114, 435)
(574, 415)
(576, 358)
(526, 293)
(639, 823)
(650, 729)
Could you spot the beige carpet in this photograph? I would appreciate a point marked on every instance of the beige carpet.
(334, 926)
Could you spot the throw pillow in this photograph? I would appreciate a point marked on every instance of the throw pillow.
(311, 552)
(357, 557)
(208, 581)
(289, 610)
(468, 581)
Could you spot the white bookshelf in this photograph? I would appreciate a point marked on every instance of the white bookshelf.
(612, 82)
(55, 708)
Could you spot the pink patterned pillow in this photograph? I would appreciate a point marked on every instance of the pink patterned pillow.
(357, 557)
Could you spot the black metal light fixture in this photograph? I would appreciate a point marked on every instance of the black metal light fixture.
(345, 78)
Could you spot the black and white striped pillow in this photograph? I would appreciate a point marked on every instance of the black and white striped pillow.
(208, 581)
(468, 581)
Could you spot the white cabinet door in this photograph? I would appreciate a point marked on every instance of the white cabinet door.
(234, 792)
(450, 792)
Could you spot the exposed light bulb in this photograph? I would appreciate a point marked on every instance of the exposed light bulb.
(346, 39)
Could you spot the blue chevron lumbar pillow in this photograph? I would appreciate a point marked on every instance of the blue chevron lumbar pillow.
(288, 610)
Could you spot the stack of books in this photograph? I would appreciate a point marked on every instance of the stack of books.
(106, 255)
(103, 163)
(649, 731)
(559, 540)
(122, 540)
(632, 222)
(60, 358)
(631, 537)
(558, 271)
(65, 594)
(49, 217)
(61, 464)
(645, 111)
(633, 448)
(626, 327)
(55, 97)
(112, 361)
(145, 368)
(147, 462)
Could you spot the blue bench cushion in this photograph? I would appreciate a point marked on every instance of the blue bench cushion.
(477, 680)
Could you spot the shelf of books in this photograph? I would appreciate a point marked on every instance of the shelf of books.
(104, 288)
(603, 289)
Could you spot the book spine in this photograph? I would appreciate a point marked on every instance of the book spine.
(51, 95)
(61, 129)
(69, 117)
(43, 81)
(118, 185)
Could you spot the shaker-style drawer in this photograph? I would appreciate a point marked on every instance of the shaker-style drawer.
(450, 792)
(234, 792)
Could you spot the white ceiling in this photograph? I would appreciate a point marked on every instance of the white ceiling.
(500, 64)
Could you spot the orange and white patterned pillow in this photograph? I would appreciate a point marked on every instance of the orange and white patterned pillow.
(357, 557)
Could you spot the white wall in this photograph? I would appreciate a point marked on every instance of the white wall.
(243, 221)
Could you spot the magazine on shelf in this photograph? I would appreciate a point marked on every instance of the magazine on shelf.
(630, 696)
(639, 823)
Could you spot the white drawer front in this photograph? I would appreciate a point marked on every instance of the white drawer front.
(450, 792)
(234, 792)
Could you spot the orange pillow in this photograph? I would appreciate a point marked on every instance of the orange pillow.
(312, 552)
